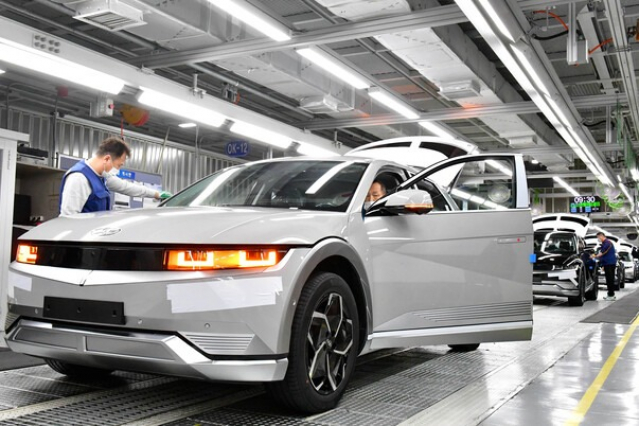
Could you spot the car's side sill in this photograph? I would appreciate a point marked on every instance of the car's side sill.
(494, 332)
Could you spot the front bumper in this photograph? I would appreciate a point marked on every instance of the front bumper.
(137, 351)
(556, 283)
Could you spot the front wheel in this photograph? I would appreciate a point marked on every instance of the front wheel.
(593, 293)
(324, 346)
(464, 348)
(621, 278)
(74, 370)
(580, 299)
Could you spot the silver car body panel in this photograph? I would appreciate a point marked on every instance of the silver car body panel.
(445, 277)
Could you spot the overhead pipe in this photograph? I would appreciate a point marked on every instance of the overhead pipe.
(626, 62)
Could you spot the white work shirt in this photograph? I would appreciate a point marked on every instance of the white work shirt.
(77, 190)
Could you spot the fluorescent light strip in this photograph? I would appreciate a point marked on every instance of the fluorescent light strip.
(567, 187)
(437, 130)
(319, 183)
(2, 71)
(494, 164)
(495, 17)
(314, 151)
(180, 108)
(530, 69)
(260, 134)
(333, 66)
(254, 18)
(391, 103)
(558, 111)
(55, 66)
(187, 125)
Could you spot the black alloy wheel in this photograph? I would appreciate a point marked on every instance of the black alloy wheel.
(74, 370)
(324, 346)
(580, 299)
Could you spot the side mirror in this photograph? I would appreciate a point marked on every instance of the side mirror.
(403, 202)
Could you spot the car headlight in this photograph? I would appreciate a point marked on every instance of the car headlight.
(199, 259)
(27, 254)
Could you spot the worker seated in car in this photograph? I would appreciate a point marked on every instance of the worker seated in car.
(375, 192)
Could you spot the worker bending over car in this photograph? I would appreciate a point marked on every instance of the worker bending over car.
(87, 186)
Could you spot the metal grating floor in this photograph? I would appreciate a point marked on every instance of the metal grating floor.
(388, 388)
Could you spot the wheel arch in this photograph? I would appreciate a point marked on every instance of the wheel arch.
(337, 256)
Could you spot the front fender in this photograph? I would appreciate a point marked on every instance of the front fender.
(323, 250)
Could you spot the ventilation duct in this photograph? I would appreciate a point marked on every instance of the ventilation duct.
(460, 90)
(111, 15)
(323, 104)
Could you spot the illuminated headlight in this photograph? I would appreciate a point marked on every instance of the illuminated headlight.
(198, 259)
(27, 254)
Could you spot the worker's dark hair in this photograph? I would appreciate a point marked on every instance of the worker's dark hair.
(601, 233)
(115, 147)
(380, 184)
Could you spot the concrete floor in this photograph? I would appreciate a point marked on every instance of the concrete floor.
(540, 382)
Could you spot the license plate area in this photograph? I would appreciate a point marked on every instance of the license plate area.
(84, 310)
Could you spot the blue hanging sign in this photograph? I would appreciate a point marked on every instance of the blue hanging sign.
(238, 149)
(126, 174)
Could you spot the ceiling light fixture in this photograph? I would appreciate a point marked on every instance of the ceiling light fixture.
(567, 187)
(516, 57)
(260, 134)
(2, 71)
(528, 66)
(187, 125)
(495, 165)
(314, 150)
(498, 22)
(333, 66)
(254, 18)
(533, 161)
(55, 66)
(436, 130)
(181, 108)
(392, 103)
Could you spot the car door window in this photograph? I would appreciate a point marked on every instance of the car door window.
(482, 184)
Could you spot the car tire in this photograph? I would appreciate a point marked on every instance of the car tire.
(621, 279)
(464, 348)
(309, 386)
(593, 293)
(74, 370)
(581, 298)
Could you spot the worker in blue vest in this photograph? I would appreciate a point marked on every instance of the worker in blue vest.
(87, 186)
(608, 259)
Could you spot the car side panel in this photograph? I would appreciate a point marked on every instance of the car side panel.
(450, 269)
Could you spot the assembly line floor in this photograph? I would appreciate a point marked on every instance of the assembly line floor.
(571, 371)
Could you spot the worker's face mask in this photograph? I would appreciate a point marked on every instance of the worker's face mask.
(113, 172)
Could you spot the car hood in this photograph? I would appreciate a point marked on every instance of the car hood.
(195, 225)
(550, 259)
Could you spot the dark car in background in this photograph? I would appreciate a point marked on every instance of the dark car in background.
(563, 267)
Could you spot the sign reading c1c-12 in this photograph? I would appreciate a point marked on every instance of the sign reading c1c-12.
(238, 149)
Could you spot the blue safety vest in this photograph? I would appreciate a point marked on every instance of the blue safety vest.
(100, 198)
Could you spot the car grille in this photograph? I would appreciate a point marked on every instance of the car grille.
(105, 258)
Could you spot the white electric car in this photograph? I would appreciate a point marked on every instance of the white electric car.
(278, 272)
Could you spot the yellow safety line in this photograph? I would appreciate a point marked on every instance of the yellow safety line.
(584, 405)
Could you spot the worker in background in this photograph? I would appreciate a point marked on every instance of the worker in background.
(87, 186)
(375, 192)
(608, 259)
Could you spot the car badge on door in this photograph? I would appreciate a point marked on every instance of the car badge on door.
(105, 232)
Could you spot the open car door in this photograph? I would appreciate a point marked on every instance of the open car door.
(461, 273)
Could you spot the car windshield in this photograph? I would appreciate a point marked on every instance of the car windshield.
(625, 256)
(555, 243)
(303, 184)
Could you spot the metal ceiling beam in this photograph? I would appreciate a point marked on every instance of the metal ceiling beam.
(581, 102)
(626, 64)
(549, 150)
(443, 15)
